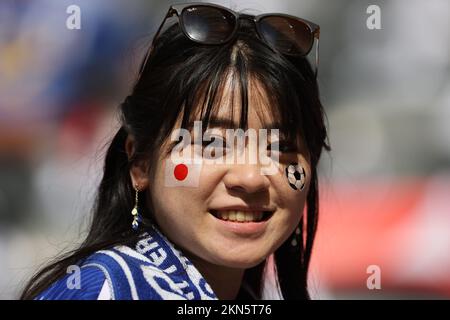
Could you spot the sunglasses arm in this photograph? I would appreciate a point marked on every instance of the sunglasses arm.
(169, 14)
(317, 57)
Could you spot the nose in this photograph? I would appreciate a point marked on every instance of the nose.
(246, 178)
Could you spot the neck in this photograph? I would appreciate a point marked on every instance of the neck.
(224, 281)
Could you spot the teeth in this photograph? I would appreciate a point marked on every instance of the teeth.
(223, 215)
(240, 216)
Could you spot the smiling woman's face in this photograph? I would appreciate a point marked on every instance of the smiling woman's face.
(197, 219)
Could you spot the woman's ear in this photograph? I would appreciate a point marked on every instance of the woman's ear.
(138, 170)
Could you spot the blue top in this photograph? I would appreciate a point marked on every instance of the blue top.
(152, 270)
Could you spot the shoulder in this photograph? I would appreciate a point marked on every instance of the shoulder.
(118, 273)
(80, 283)
(151, 269)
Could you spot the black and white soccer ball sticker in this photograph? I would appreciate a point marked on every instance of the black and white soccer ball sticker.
(296, 176)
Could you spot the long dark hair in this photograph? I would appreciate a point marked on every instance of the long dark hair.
(177, 76)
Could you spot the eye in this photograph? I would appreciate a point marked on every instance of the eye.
(282, 146)
(176, 144)
(215, 141)
(215, 148)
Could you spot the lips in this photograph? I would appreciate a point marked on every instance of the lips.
(241, 215)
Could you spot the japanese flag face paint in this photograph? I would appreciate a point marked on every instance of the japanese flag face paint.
(296, 176)
(182, 173)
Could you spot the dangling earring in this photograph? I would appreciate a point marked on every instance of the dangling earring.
(296, 237)
(135, 212)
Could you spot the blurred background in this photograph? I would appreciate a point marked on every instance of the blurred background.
(385, 187)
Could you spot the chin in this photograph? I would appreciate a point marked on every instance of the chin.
(240, 262)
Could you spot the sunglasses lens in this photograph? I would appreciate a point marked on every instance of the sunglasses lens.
(287, 35)
(208, 24)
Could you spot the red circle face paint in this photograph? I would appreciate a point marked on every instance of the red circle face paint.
(180, 172)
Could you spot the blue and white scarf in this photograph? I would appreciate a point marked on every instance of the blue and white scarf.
(153, 270)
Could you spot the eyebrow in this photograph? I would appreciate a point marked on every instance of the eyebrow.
(218, 122)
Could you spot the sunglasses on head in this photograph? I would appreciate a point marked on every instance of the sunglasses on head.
(212, 24)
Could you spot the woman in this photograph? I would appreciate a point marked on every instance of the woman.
(206, 229)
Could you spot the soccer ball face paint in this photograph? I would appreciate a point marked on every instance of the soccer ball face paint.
(296, 176)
